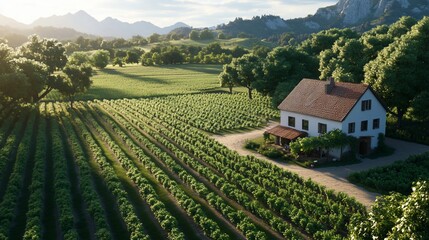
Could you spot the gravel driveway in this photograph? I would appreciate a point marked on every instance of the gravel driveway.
(331, 177)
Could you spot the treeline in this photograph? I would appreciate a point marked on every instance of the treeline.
(391, 59)
(89, 44)
(212, 54)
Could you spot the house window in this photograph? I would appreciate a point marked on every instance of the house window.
(291, 122)
(376, 123)
(304, 124)
(352, 127)
(322, 128)
(366, 105)
(364, 126)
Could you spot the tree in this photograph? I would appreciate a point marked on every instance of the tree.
(117, 61)
(77, 80)
(14, 84)
(325, 39)
(238, 51)
(37, 75)
(249, 69)
(100, 58)
(154, 38)
(395, 216)
(228, 77)
(172, 55)
(79, 58)
(221, 35)
(399, 73)
(48, 51)
(420, 106)
(261, 51)
(282, 69)
(194, 35)
(344, 61)
(132, 56)
(206, 34)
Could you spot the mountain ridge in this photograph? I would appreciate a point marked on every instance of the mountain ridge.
(109, 27)
(359, 14)
(86, 24)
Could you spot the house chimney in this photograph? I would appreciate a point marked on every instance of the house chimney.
(330, 84)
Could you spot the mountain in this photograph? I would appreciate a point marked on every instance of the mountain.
(109, 27)
(9, 22)
(359, 14)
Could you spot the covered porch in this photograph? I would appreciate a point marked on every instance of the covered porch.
(285, 135)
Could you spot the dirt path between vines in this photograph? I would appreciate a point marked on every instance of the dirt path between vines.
(331, 177)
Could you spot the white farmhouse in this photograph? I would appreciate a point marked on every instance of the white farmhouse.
(315, 107)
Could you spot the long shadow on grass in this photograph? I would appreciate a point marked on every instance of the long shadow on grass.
(104, 93)
(200, 68)
(134, 76)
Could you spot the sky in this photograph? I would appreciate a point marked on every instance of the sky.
(196, 13)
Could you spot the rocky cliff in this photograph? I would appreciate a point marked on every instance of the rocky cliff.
(359, 14)
(354, 12)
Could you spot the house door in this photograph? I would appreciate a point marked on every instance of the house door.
(364, 145)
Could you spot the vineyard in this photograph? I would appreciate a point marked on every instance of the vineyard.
(143, 169)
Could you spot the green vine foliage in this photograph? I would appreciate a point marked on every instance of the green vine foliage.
(332, 139)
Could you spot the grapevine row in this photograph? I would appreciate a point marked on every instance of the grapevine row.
(208, 225)
(113, 183)
(8, 206)
(235, 194)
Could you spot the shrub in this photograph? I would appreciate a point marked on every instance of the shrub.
(251, 145)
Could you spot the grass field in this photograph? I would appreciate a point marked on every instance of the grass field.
(135, 81)
(247, 43)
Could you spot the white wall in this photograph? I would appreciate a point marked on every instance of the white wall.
(356, 115)
(312, 123)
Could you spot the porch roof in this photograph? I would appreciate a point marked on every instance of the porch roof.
(286, 132)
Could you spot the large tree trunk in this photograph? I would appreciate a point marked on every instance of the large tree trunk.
(230, 89)
(250, 92)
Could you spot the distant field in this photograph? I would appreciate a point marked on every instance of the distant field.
(134, 81)
(248, 43)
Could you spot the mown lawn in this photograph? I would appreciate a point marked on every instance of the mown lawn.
(135, 81)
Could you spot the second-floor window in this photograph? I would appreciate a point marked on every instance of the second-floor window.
(291, 122)
(304, 124)
(366, 105)
(322, 128)
(352, 127)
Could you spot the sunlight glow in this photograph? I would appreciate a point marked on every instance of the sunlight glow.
(201, 13)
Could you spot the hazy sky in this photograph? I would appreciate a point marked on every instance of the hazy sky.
(197, 13)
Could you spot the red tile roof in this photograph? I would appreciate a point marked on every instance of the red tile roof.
(285, 132)
(309, 98)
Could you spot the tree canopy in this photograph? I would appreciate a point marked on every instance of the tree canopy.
(399, 73)
(100, 58)
(38, 67)
(395, 216)
(249, 69)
